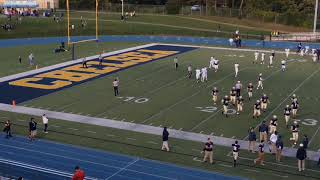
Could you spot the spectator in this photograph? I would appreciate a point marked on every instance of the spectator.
(45, 121)
(32, 129)
(279, 145)
(20, 178)
(301, 156)
(305, 141)
(20, 59)
(7, 129)
(252, 140)
(208, 151)
(165, 138)
(263, 131)
(78, 174)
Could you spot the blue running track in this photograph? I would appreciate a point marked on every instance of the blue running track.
(45, 160)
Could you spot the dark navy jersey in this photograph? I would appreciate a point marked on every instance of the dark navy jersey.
(264, 99)
(226, 103)
(287, 111)
(261, 147)
(250, 88)
(240, 100)
(295, 128)
(216, 62)
(260, 78)
(257, 106)
(295, 105)
(274, 122)
(215, 92)
(233, 92)
(273, 54)
(225, 99)
(235, 147)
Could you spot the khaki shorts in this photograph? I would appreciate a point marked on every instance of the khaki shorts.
(264, 105)
(273, 128)
(295, 136)
(33, 133)
(250, 94)
(239, 107)
(287, 118)
(225, 109)
(256, 112)
(235, 155)
(214, 98)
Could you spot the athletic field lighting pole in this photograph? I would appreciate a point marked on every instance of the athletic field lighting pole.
(315, 16)
(68, 20)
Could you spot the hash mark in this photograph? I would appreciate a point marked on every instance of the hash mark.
(92, 132)
(74, 129)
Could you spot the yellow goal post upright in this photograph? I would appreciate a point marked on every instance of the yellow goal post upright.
(72, 43)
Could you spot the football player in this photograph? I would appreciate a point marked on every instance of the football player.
(225, 104)
(239, 104)
(236, 69)
(256, 56)
(287, 112)
(295, 107)
(214, 94)
(283, 65)
(250, 90)
(295, 132)
(260, 84)
(233, 94)
(256, 109)
(264, 102)
(262, 57)
(273, 124)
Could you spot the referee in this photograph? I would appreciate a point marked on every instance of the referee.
(115, 84)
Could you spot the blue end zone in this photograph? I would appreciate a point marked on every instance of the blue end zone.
(21, 93)
(45, 160)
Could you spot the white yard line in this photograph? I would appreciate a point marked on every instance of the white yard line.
(122, 169)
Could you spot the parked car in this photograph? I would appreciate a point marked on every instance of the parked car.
(195, 8)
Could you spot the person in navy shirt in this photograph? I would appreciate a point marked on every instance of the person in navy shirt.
(235, 152)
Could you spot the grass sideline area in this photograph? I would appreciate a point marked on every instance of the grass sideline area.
(110, 24)
(183, 153)
(155, 81)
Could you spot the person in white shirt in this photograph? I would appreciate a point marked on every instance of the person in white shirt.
(45, 121)
(262, 57)
(314, 57)
(204, 74)
(256, 56)
(31, 59)
(270, 61)
(236, 69)
(302, 52)
(211, 64)
(306, 51)
(287, 52)
(175, 60)
(273, 140)
(216, 65)
(231, 42)
(283, 65)
(198, 75)
(115, 85)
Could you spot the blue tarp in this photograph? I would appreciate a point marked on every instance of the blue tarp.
(20, 4)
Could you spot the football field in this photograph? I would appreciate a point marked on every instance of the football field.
(153, 93)
(158, 95)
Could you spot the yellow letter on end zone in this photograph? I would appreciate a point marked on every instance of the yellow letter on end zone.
(28, 82)
(66, 75)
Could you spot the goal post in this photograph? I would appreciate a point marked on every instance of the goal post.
(69, 35)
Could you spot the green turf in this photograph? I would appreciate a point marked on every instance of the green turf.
(110, 24)
(172, 102)
(158, 81)
(45, 56)
(183, 153)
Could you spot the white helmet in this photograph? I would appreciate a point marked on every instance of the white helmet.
(260, 74)
(274, 116)
(287, 106)
(258, 101)
(295, 122)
